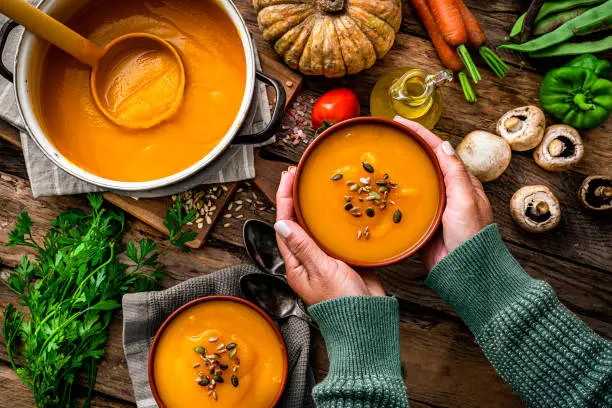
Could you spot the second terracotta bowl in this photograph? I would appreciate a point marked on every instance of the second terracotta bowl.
(370, 120)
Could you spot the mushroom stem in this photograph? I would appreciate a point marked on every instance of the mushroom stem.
(556, 148)
(539, 209)
(330, 6)
(603, 191)
(513, 124)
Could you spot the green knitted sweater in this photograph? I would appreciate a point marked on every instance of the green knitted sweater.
(548, 356)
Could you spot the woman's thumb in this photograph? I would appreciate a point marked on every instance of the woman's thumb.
(303, 249)
(456, 177)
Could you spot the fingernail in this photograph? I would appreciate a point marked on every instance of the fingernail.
(292, 169)
(284, 172)
(283, 229)
(447, 148)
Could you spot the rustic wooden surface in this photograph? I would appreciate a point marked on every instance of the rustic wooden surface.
(444, 367)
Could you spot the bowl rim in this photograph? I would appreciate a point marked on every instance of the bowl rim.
(375, 120)
(194, 302)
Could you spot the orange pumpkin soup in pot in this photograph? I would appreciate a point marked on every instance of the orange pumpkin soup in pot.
(369, 192)
(215, 79)
(218, 352)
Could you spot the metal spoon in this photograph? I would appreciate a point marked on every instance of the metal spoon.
(274, 295)
(260, 243)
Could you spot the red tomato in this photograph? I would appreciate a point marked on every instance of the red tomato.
(333, 107)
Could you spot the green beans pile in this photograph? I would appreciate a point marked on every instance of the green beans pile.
(559, 21)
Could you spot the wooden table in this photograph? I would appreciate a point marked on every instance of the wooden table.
(444, 366)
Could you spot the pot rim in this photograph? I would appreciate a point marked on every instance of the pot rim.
(177, 312)
(34, 128)
(433, 227)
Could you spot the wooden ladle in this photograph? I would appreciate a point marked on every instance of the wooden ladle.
(137, 80)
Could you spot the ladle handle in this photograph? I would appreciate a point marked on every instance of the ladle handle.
(52, 30)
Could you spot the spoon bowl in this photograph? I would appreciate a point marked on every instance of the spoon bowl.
(260, 243)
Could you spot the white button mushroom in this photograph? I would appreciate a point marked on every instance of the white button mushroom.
(596, 193)
(560, 149)
(484, 154)
(535, 208)
(523, 128)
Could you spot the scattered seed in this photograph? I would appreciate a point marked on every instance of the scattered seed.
(200, 225)
(367, 167)
(234, 381)
(200, 350)
(213, 340)
(336, 177)
(369, 212)
(397, 216)
(348, 206)
(228, 215)
(240, 216)
(232, 354)
(226, 225)
(208, 220)
(239, 208)
(224, 188)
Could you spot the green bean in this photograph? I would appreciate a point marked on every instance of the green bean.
(549, 8)
(552, 22)
(590, 20)
(587, 47)
(468, 91)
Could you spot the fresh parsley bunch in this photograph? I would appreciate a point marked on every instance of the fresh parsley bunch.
(70, 289)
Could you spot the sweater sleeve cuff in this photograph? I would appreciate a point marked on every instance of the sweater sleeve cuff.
(479, 278)
(361, 334)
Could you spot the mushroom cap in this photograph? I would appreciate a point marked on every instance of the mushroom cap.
(561, 148)
(484, 154)
(535, 208)
(523, 128)
(596, 193)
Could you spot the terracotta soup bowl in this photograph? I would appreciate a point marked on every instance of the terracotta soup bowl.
(218, 351)
(370, 192)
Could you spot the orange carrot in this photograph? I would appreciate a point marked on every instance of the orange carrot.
(476, 35)
(449, 21)
(448, 55)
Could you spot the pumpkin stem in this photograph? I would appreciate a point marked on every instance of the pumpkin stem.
(330, 6)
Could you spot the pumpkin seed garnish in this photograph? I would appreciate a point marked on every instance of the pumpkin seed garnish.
(220, 346)
(200, 350)
(356, 214)
(381, 183)
(359, 234)
(213, 339)
(354, 187)
(348, 198)
(375, 195)
(234, 381)
(348, 206)
(397, 216)
(232, 353)
(231, 346)
(196, 365)
(367, 167)
(218, 378)
(386, 176)
(383, 189)
(223, 366)
(204, 382)
(369, 212)
(365, 180)
(215, 395)
(336, 177)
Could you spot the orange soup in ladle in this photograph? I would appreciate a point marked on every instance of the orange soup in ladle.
(137, 80)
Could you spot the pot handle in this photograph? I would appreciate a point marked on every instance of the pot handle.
(4, 34)
(277, 114)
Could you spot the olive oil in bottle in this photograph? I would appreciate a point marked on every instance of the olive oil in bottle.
(411, 93)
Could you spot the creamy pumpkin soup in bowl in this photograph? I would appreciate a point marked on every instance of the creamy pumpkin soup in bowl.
(369, 191)
(218, 351)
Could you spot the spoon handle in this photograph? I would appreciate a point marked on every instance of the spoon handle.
(52, 30)
(301, 314)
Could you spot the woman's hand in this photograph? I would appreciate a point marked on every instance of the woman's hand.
(313, 274)
(467, 207)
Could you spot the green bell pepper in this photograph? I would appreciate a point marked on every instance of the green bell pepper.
(601, 68)
(576, 95)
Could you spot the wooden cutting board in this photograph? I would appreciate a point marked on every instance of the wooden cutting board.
(152, 210)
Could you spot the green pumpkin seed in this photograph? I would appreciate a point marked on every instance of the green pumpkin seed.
(354, 187)
(369, 212)
(336, 177)
(204, 382)
(232, 353)
(375, 195)
(386, 176)
(383, 190)
(397, 216)
(218, 378)
(223, 366)
(231, 346)
(200, 350)
(381, 183)
(367, 167)
(234, 381)
(348, 206)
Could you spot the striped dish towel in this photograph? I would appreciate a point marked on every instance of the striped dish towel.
(46, 179)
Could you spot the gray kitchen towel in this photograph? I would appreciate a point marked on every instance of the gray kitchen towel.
(46, 179)
(143, 314)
